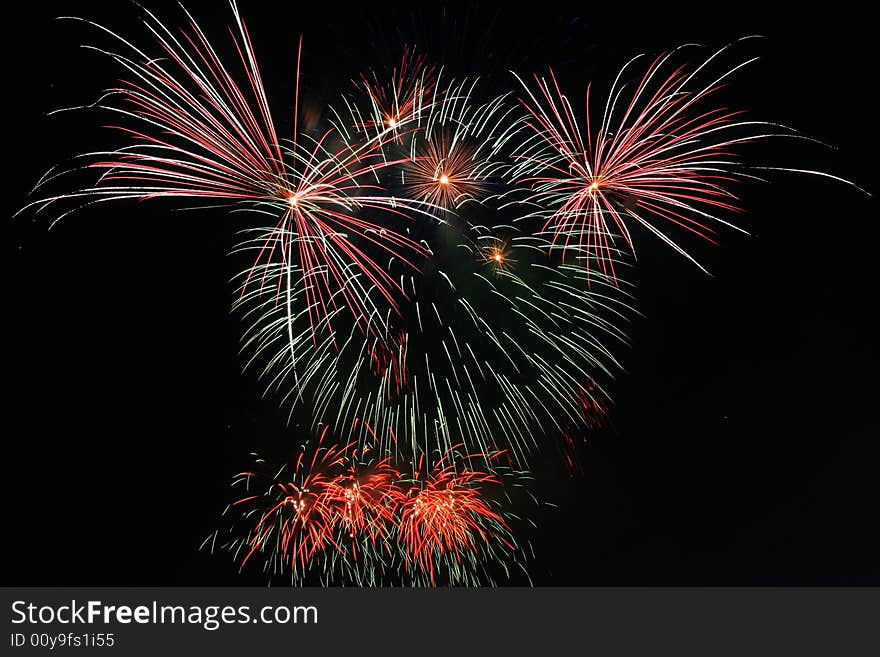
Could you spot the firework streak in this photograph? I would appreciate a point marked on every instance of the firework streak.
(434, 272)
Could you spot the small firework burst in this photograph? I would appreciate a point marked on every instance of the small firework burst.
(458, 154)
(293, 519)
(397, 101)
(363, 497)
(444, 174)
(497, 255)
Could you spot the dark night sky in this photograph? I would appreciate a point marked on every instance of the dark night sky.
(745, 445)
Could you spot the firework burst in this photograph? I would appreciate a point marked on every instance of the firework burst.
(497, 255)
(395, 102)
(443, 175)
(457, 157)
(663, 154)
(329, 511)
(196, 134)
(449, 521)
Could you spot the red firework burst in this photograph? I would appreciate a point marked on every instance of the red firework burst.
(304, 511)
(445, 173)
(363, 496)
(330, 508)
(199, 134)
(403, 98)
(446, 517)
(658, 155)
(497, 256)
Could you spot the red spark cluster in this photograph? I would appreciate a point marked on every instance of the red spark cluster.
(444, 174)
(337, 504)
(593, 415)
(445, 518)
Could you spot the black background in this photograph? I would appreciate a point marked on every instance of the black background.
(745, 442)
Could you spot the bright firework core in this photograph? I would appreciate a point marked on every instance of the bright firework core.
(444, 179)
(497, 257)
